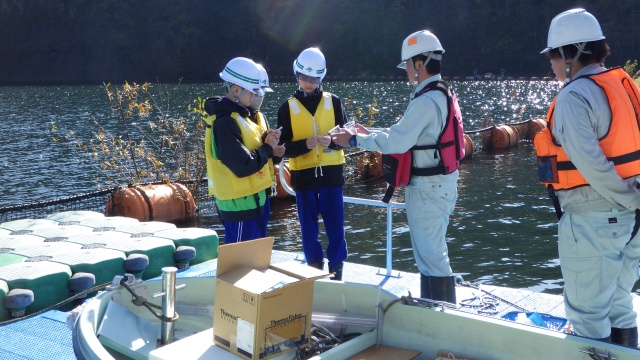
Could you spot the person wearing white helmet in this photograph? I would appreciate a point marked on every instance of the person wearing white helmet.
(588, 158)
(258, 117)
(239, 153)
(315, 162)
(432, 191)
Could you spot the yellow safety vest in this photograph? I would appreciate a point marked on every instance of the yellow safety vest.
(304, 125)
(262, 122)
(223, 183)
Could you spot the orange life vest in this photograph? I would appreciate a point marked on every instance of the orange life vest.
(621, 143)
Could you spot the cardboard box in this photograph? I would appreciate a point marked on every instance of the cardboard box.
(261, 310)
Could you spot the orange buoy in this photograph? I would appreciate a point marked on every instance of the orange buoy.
(160, 202)
(374, 167)
(504, 136)
(468, 146)
(535, 126)
(281, 192)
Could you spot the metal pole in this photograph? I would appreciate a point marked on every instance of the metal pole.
(390, 206)
(389, 244)
(168, 303)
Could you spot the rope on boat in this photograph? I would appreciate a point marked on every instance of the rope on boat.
(487, 304)
(142, 301)
(79, 295)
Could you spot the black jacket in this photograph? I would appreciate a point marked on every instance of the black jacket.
(306, 179)
(229, 146)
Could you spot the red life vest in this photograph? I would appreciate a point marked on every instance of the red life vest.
(397, 169)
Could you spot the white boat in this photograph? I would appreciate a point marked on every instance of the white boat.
(369, 303)
(372, 308)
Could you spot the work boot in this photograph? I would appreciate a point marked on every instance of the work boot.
(607, 339)
(438, 288)
(625, 337)
(337, 269)
(318, 265)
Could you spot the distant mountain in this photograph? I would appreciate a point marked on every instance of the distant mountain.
(86, 41)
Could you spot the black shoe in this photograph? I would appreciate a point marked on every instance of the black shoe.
(337, 269)
(438, 288)
(625, 337)
(318, 265)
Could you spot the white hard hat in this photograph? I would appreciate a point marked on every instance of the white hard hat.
(572, 27)
(420, 42)
(244, 73)
(264, 79)
(311, 63)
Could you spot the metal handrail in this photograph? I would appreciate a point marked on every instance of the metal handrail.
(390, 206)
(368, 202)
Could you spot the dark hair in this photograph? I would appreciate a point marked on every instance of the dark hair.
(433, 66)
(599, 50)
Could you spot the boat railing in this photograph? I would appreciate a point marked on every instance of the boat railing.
(390, 206)
(367, 202)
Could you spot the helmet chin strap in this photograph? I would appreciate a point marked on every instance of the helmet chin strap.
(227, 86)
(414, 82)
(430, 56)
(580, 47)
(239, 96)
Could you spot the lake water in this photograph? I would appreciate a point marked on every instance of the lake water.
(503, 231)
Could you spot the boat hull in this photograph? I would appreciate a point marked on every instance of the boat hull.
(381, 316)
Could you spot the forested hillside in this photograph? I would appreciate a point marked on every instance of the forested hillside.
(88, 41)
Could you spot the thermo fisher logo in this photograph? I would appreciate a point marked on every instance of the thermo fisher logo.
(249, 298)
(291, 318)
(228, 316)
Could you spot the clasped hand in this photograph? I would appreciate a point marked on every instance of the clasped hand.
(272, 139)
(322, 140)
(342, 138)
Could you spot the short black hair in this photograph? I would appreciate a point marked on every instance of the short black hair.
(433, 66)
(595, 52)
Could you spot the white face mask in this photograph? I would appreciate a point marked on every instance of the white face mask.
(256, 102)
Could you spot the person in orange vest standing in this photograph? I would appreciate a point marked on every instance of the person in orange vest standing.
(430, 132)
(589, 160)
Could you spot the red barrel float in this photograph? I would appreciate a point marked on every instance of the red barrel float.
(374, 165)
(171, 202)
(504, 136)
(535, 126)
(281, 192)
(468, 146)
